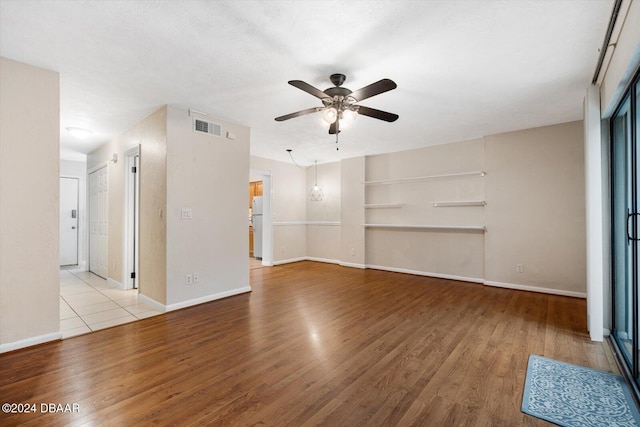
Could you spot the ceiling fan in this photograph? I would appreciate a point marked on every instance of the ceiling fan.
(339, 103)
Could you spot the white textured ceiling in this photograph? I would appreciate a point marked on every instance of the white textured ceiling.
(464, 69)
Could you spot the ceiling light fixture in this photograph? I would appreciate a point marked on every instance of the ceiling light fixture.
(316, 192)
(79, 132)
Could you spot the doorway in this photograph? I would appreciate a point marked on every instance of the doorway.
(69, 200)
(260, 186)
(98, 221)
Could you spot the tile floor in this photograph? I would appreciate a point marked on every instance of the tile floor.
(88, 303)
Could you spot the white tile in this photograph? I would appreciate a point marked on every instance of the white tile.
(85, 298)
(126, 301)
(74, 322)
(75, 331)
(149, 313)
(75, 289)
(67, 312)
(96, 308)
(138, 308)
(118, 293)
(112, 322)
(105, 315)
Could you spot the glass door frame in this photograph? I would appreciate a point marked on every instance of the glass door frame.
(632, 225)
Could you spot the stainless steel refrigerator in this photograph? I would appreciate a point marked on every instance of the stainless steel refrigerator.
(257, 227)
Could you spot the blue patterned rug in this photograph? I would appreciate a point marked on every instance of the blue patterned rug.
(570, 395)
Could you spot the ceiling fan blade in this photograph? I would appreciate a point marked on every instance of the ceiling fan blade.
(334, 128)
(298, 114)
(377, 114)
(373, 89)
(308, 88)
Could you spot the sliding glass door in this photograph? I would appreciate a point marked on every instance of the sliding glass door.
(625, 187)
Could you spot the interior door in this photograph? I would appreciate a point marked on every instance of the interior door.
(98, 222)
(69, 221)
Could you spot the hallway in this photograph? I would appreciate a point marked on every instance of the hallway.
(88, 303)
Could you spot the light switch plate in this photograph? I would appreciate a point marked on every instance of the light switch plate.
(186, 213)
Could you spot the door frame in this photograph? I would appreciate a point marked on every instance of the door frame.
(131, 221)
(78, 225)
(632, 370)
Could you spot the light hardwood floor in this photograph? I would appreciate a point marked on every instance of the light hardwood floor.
(313, 344)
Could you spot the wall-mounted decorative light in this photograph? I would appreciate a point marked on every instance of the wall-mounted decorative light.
(316, 192)
(79, 133)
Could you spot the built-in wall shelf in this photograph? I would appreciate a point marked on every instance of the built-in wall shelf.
(428, 227)
(427, 178)
(457, 204)
(383, 205)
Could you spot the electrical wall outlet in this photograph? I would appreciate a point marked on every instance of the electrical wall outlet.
(519, 268)
(353, 251)
(188, 279)
(282, 249)
(196, 278)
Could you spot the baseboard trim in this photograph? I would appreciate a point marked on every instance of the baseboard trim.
(155, 304)
(536, 289)
(352, 265)
(327, 260)
(317, 259)
(115, 283)
(28, 342)
(290, 260)
(425, 273)
(208, 298)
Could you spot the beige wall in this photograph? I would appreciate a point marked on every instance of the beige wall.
(29, 210)
(449, 253)
(323, 230)
(352, 217)
(150, 135)
(535, 211)
(288, 196)
(209, 175)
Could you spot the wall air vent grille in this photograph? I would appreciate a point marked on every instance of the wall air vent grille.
(209, 128)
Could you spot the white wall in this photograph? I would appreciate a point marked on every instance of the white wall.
(29, 210)
(78, 169)
(209, 175)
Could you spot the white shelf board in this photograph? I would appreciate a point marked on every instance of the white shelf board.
(457, 204)
(383, 205)
(427, 178)
(428, 227)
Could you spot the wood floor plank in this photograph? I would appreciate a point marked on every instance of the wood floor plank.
(313, 344)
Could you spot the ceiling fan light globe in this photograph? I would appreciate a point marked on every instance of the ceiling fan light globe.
(330, 115)
(349, 115)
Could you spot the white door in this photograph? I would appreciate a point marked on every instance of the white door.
(69, 221)
(98, 222)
